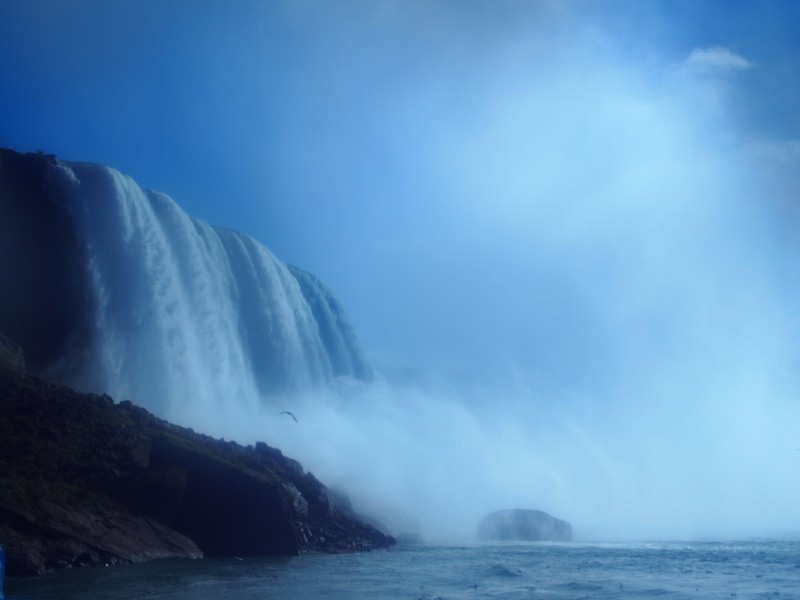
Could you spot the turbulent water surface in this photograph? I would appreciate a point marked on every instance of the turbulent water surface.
(540, 570)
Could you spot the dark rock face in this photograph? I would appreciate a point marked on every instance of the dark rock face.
(85, 481)
(524, 525)
(12, 362)
(45, 293)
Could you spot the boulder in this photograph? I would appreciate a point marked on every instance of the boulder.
(523, 525)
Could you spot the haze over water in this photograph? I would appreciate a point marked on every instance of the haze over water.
(511, 570)
(565, 233)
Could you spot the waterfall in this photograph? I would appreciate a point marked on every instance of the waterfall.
(191, 317)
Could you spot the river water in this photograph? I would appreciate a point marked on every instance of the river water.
(514, 570)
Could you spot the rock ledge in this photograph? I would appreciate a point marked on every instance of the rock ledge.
(87, 481)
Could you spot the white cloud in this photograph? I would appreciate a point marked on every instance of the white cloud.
(716, 59)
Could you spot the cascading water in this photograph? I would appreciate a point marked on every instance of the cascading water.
(193, 318)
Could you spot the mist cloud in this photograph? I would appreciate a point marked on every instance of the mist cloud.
(585, 249)
(554, 229)
(597, 226)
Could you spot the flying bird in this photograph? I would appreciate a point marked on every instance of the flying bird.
(291, 414)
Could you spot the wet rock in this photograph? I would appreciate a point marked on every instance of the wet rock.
(12, 362)
(523, 525)
(85, 481)
(43, 285)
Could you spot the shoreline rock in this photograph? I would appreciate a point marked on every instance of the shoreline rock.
(523, 525)
(87, 481)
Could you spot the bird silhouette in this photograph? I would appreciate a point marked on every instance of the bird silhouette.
(291, 414)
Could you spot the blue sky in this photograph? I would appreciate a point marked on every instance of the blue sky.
(425, 158)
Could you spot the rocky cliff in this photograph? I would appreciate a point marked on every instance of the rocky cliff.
(87, 481)
(524, 525)
(44, 291)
